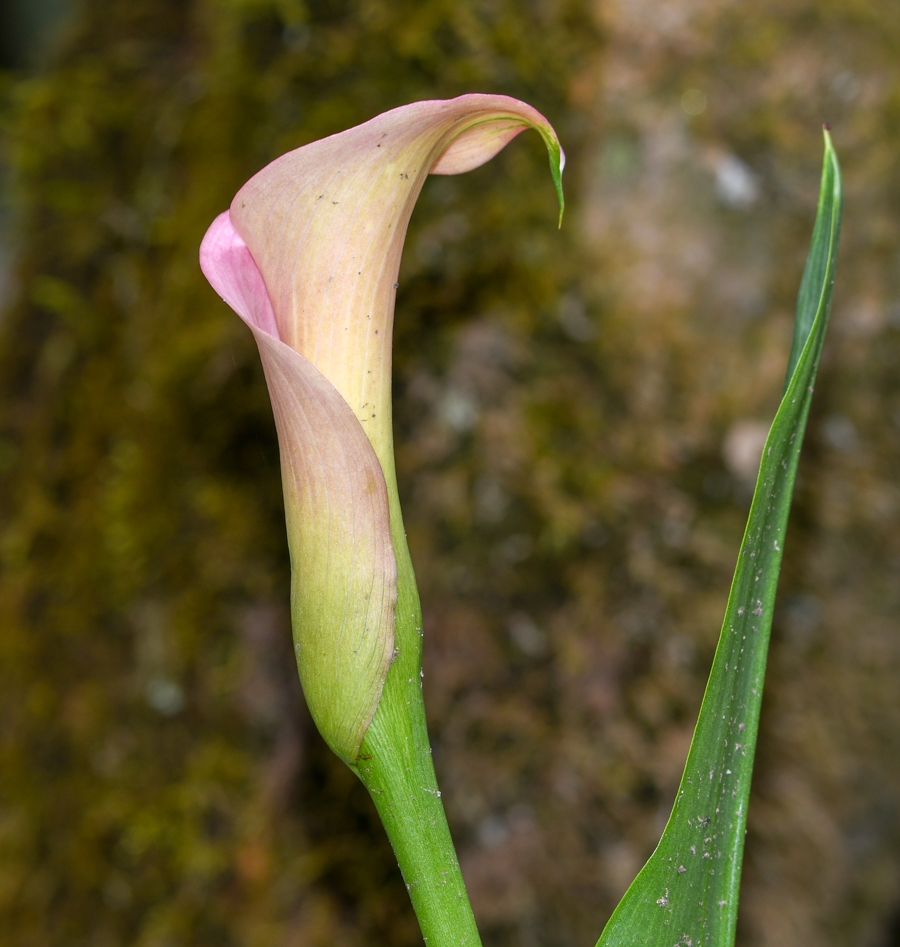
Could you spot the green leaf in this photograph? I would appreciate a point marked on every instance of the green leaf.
(687, 893)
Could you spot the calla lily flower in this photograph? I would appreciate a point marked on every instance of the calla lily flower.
(308, 256)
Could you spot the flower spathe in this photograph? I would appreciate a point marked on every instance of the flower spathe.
(308, 256)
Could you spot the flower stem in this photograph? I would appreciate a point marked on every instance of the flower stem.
(395, 766)
(401, 781)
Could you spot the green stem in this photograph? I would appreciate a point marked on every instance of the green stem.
(401, 781)
(395, 766)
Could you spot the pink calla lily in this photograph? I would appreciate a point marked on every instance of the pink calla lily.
(308, 256)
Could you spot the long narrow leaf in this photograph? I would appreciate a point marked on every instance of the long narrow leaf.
(687, 893)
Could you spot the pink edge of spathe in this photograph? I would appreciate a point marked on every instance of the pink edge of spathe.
(233, 274)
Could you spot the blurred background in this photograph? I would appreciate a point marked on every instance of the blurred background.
(578, 412)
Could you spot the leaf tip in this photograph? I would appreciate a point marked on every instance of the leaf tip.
(557, 165)
(829, 145)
